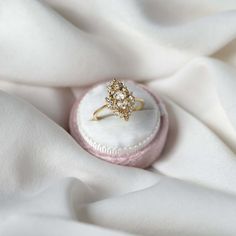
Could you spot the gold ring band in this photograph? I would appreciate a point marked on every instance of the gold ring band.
(136, 108)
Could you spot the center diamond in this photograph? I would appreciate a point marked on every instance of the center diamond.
(119, 95)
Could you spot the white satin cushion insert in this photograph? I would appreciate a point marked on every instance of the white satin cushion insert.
(113, 135)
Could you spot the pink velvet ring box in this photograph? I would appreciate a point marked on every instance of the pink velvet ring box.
(137, 142)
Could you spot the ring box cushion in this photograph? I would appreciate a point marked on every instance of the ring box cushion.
(137, 142)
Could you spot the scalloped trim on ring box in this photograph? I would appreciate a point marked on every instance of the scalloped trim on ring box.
(142, 154)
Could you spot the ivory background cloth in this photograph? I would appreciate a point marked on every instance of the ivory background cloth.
(184, 50)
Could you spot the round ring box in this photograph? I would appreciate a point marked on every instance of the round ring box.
(137, 142)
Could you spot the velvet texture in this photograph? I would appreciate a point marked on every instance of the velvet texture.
(142, 158)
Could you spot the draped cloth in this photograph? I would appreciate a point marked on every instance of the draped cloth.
(185, 51)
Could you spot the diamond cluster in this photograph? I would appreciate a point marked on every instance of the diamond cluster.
(120, 100)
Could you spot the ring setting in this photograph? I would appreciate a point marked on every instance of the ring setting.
(120, 101)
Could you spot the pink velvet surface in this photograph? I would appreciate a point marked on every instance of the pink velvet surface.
(142, 158)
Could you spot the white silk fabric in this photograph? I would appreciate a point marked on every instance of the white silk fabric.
(183, 50)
